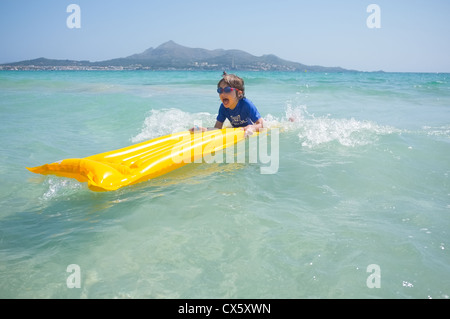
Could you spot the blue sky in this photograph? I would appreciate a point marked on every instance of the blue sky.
(414, 34)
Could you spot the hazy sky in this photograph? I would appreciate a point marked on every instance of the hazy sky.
(414, 35)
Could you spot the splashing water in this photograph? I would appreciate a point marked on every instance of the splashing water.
(168, 121)
(315, 131)
(312, 131)
(346, 132)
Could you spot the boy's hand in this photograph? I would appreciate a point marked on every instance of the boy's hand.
(249, 129)
(198, 129)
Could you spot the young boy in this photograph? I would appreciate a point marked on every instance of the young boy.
(235, 107)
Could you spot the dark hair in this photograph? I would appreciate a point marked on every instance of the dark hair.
(233, 81)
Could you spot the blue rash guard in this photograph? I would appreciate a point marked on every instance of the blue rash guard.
(245, 113)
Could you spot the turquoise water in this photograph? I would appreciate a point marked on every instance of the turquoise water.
(363, 179)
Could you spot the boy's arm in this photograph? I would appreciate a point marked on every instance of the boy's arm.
(218, 125)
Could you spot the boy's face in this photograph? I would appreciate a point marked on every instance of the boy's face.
(229, 100)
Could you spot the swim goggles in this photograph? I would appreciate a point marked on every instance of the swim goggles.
(226, 90)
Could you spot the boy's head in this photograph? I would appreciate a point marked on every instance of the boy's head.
(233, 81)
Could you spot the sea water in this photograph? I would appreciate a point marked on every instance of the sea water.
(359, 206)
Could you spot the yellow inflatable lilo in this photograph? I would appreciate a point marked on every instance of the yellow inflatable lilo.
(136, 163)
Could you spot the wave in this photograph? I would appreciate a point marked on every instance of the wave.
(312, 131)
(442, 132)
(315, 131)
(167, 121)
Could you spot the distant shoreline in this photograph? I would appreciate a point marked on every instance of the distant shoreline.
(121, 69)
(69, 68)
(32, 67)
(172, 56)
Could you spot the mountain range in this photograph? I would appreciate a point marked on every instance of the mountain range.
(172, 56)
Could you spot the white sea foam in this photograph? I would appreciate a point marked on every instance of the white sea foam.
(314, 131)
(346, 132)
(60, 187)
(167, 121)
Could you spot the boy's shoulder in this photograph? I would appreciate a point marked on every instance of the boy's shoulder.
(248, 103)
(245, 100)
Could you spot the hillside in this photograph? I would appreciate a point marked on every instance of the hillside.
(172, 56)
